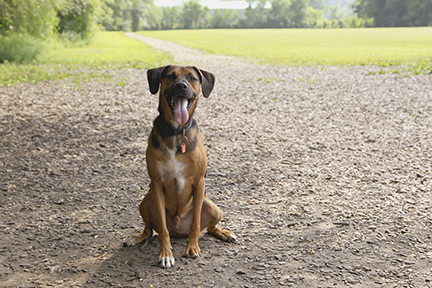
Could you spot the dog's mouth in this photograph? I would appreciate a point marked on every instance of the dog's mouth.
(179, 106)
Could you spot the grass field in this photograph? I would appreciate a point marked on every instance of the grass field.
(107, 50)
(376, 46)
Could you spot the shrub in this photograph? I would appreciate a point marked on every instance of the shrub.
(20, 48)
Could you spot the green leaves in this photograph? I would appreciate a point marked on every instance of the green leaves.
(36, 18)
(396, 13)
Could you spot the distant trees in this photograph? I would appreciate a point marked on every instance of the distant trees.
(285, 14)
(170, 17)
(395, 13)
(129, 15)
(76, 18)
(224, 18)
(194, 15)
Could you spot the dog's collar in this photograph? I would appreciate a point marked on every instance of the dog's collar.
(183, 131)
(165, 129)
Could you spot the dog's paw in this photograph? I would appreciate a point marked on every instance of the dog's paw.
(166, 262)
(130, 241)
(137, 238)
(230, 237)
(224, 235)
(192, 251)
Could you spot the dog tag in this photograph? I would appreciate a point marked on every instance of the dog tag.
(183, 147)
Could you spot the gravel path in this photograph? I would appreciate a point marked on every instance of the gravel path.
(323, 173)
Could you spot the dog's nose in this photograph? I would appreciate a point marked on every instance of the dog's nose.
(181, 86)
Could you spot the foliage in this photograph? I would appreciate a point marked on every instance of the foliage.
(299, 8)
(129, 15)
(375, 46)
(279, 13)
(116, 15)
(24, 24)
(148, 17)
(170, 18)
(317, 4)
(20, 48)
(256, 14)
(395, 13)
(225, 18)
(76, 18)
(315, 18)
(335, 12)
(194, 15)
(36, 18)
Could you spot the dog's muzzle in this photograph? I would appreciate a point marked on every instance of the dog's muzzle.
(180, 97)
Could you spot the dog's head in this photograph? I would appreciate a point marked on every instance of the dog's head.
(180, 88)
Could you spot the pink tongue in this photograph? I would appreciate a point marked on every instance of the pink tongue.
(181, 115)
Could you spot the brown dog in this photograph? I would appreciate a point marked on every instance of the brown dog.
(176, 204)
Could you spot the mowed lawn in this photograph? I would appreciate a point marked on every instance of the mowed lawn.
(377, 46)
(108, 49)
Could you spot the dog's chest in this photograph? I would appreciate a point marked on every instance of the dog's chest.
(173, 170)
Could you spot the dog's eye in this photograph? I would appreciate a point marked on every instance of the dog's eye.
(192, 78)
(171, 76)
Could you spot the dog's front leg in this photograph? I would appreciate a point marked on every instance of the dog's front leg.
(192, 249)
(166, 259)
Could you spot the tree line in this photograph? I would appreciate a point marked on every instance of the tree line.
(136, 15)
(258, 14)
(80, 18)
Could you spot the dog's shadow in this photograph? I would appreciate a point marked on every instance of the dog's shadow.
(138, 266)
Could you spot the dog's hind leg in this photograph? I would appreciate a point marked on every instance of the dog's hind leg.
(144, 209)
(211, 216)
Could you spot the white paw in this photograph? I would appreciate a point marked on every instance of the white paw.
(167, 262)
(231, 237)
(130, 241)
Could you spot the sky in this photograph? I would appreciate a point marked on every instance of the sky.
(212, 4)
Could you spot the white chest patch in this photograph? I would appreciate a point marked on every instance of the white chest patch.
(173, 169)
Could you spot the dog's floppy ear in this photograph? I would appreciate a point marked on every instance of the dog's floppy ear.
(207, 80)
(154, 78)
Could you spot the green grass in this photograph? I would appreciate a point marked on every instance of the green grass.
(108, 50)
(368, 46)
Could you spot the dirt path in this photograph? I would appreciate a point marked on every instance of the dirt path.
(323, 174)
(183, 55)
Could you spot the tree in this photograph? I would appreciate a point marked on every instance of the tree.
(299, 13)
(116, 15)
(36, 18)
(224, 18)
(279, 14)
(171, 17)
(315, 18)
(335, 12)
(76, 18)
(194, 15)
(395, 13)
(147, 13)
(256, 14)
(419, 13)
(317, 4)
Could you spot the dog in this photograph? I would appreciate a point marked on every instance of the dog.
(177, 204)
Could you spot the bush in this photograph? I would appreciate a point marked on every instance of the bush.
(20, 48)
(77, 19)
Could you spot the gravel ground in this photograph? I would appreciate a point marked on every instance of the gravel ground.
(323, 173)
